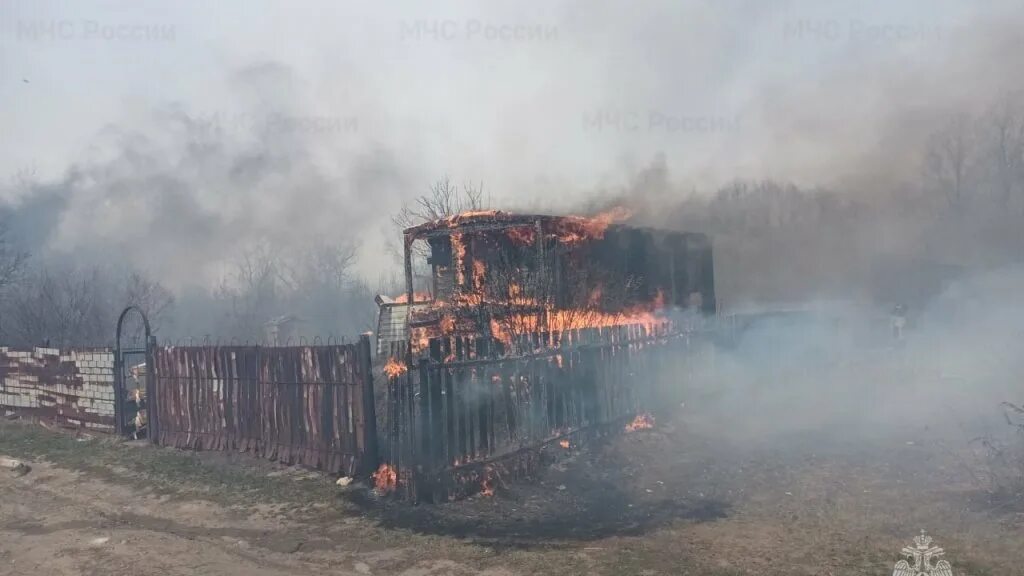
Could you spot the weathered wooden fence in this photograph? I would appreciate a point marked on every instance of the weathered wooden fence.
(309, 405)
(466, 417)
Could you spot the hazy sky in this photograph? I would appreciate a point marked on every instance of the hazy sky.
(220, 123)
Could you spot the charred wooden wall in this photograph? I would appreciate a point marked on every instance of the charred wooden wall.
(648, 265)
(674, 265)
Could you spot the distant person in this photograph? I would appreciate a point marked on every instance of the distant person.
(898, 321)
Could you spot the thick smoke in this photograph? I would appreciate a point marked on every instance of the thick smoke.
(198, 201)
(186, 193)
(839, 369)
(896, 178)
(801, 136)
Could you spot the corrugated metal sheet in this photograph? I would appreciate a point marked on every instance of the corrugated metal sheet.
(392, 335)
(391, 324)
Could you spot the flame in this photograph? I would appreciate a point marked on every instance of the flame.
(643, 421)
(420, 343)
(468, 215)
(416, 297)
(576, 229)
(659, 300)
(564, 444)
(600, 222)
(487, 484)
(549, 320)
(479, 272)
(522, 236)
(447, 324)
(513, 308)
(385, 479)
(499, 333)
(393, 368)
(458, 255)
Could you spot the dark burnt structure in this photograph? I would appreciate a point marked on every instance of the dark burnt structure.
(490, 265)
(526, 336)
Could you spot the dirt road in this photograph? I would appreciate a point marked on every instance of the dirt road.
(667, 501)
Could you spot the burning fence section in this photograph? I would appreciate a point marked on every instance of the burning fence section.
(309, 405)
(464, 419)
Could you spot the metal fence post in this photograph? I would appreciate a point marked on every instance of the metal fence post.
(424, 462)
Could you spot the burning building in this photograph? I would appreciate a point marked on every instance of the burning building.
(503, 275)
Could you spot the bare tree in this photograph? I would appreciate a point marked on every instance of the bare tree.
(312, 285)
(321, 266)
(148, 295)
(12, 260)
(252, 293)
(948, 156)
(1005, 127)
(322, 286)
(61, 307)
(444, 200)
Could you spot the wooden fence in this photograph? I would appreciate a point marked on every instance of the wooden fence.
(466, 418)
(308, 405)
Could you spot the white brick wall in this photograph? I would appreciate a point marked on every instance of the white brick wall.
(78, 385)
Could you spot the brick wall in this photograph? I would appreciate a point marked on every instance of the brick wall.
(73, 387)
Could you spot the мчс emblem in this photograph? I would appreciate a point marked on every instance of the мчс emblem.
(922, 559)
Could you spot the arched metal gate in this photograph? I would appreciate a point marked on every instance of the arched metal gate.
(133, 370)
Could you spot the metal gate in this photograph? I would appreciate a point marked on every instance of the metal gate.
(133, 362)
(466, 415)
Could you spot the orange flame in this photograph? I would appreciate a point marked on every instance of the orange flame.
(385, 479)
(659, 300)
(456, 218)
(479, 272)
(507, 327)
(458, 256)
(600, 222)
(564, 444)
(393, 368)
(447, 324)
(487, 484)
(576, 229)
(642, 421)
(416, 297)
(524, 236)
(517, 309)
